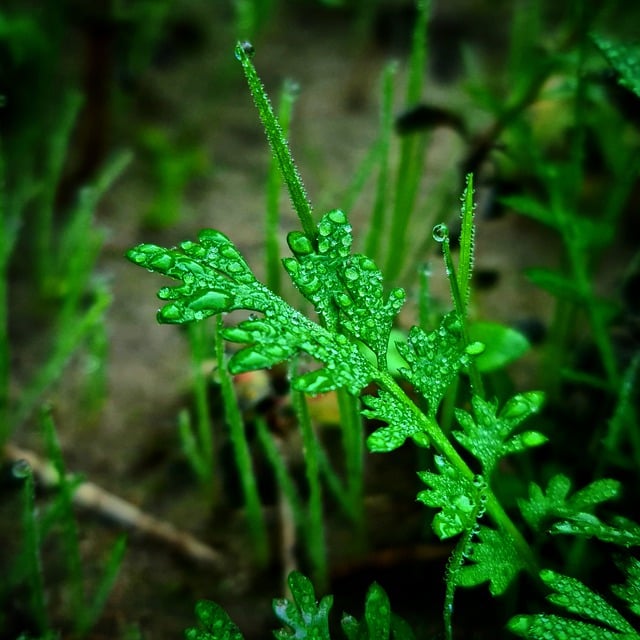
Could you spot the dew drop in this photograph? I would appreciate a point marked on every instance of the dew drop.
(343, 300)
(337, 216)
(245, 48)
(20, 469)
(351, 274)
(299, 243)
(475, 348)
(440, 232)
(324, 246)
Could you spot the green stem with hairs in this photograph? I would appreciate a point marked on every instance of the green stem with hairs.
(277, 141)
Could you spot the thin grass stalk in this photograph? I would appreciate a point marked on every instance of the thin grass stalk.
(467, 232)
(204, 427)
(237, 434)
(190, 446)
(68, 338)
(353, 444)
(333, 483)
(81, 242)
(314, 531)
(107, 581)
(425, 301)
(273, 268)
(31, 541)
(412, 147)
(7, 241)
(408, 178)
(277, 141)
(281, 471)
(376, 224)
(441, 234)
(70, 536)
(58, 143)
(361, 176)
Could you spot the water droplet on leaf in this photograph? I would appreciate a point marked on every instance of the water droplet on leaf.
(440, 232)
(21, 469)
(245, 48)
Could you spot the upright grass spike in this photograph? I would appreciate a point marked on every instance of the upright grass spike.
(253, 505)
(274, 182)
(30, 558)
(467, 233)
(244, 53)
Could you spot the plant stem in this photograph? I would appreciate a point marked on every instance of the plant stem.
(353, 442)
(444, 447)
(460, 306)
(242, 454)
(314, 530)
(277, 141)
(376, 224)
(274, 182)
(205, 442)
(411, 149)
(31, 540)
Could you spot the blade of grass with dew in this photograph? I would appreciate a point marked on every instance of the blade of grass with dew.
(465, 263)
(244, 51)
(242, 454)
(441, 235)
(288, 96)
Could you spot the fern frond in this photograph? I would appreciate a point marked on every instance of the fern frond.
(454, 494)
(556, 503)
(305, 617)
(605, 622)
(488, 436)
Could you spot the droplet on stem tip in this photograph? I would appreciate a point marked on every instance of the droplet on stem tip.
(440, 232)
(245, 47)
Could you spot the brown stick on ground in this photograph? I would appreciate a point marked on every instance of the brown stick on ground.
(92, 497)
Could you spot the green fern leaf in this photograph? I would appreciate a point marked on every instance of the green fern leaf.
(623, 532)
(215, 624)
(630, 590)
(492, 558)
(553, 627)
(556, 503)
(379, 622)
(216, 279)
(346, 290)
(624, 59)
(488, 436)
(401, 420)
(454, 494)
(574, 596)
(305, 617)
(434, 359)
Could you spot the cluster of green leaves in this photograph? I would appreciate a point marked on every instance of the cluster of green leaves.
(346, 292)
(350, 341)
(305, 617)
